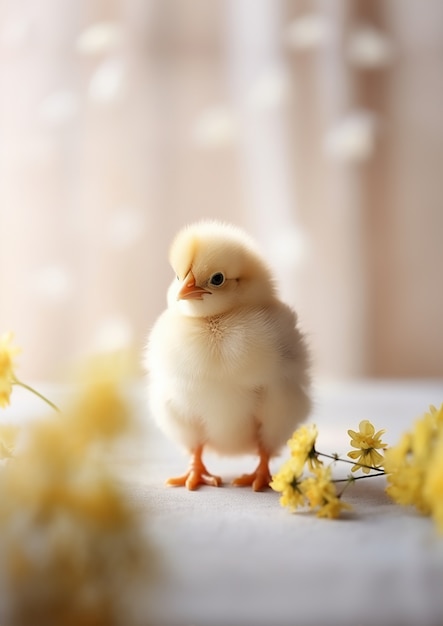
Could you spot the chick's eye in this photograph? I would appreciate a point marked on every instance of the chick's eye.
(217, 279)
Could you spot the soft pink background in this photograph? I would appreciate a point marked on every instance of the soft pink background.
(315, 125)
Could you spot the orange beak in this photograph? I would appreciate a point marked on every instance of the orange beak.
(189, 290)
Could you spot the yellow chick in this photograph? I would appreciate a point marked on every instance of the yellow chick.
(228, 367)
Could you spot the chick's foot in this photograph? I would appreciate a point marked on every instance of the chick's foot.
(259, 479)
(196, 475)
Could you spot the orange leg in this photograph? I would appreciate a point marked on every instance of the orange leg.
(196, 475)
(259, 479)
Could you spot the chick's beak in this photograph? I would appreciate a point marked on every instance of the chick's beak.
(189, 290)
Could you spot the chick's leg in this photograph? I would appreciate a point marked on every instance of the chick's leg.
(196, 475)
(259, 479)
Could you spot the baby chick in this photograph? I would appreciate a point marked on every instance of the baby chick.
(228, 367)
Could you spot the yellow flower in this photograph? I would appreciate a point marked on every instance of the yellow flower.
(396, 456)
(100, 411)
(317, 487)
(302, 446)
(433, 483)
(61, 495)
(412, 466)
(333, 508)
(8, 437)
(368, 442)
(321, 493)
(405, 486)
(404, 478)
(421, 439)
(7, 354)
(292, 498)
(437, 415)
(96, 503)
(287, 482)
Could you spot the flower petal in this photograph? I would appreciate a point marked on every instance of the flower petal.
(366, 428)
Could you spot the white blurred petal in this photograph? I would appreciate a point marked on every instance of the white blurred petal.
(114, 333)
(99, 37)
(125, 228)
(307, 31)
(269, 90)
(287, 248)
(353, 138)
(107, 81)
(53, 282)
(215, 127)
(59, 107)
(369, 48)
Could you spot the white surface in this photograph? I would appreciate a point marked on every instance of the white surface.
(233, 557)
(236, 557)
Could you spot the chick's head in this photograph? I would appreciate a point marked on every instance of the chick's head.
(217, 269)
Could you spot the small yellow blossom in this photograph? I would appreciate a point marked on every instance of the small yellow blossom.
(287, 482)
(367, 442)
(421, 438)
(412, 466)
(437, 415)
(100, 410)
(8, 437)
(318, 486)
(404, 479)
(302, 446)
(321, 493)
(433, 483)
(333, 508)
(7, 354)
(395, 456)
(292, 498)
(405, 486)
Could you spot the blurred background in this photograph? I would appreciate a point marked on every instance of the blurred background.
(315, 125)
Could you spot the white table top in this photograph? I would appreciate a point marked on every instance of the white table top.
(231, 556)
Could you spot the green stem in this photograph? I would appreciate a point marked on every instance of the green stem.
(335, 457)
(36, 393)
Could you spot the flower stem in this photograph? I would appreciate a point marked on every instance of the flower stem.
(36, 393)
(354, 478)
(335, 457)
(348, 481)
